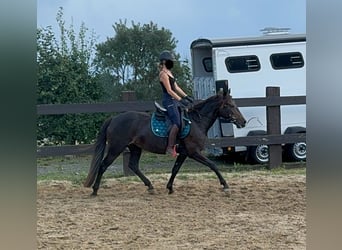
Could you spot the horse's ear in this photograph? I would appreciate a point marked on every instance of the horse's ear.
(221, 92)
(225, 92)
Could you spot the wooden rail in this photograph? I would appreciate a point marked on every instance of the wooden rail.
(86, 149)
(56, 109)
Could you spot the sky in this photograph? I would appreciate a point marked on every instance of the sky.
(188, 20)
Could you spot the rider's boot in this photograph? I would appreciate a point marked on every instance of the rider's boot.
(171, 146)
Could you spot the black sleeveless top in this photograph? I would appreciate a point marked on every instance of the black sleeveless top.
(172, 83)
(171, 104)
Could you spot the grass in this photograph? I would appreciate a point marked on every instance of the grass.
(75, 179)
(75, 168)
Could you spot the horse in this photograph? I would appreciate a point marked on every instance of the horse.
(132, 129)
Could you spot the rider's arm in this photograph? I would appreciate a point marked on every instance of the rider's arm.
(180, 91)
(165, 80)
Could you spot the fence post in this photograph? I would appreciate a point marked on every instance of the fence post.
(127, 96)
(273, 127)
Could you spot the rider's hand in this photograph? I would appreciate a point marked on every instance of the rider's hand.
(185, 103)
(189, 98)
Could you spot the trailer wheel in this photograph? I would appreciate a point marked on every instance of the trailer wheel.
(259, 154)
(296, 151)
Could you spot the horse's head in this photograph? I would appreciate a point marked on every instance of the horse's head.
(230, 111)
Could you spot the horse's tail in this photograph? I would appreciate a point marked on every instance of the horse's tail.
(100, 146)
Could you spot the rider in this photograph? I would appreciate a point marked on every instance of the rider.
(173, 95)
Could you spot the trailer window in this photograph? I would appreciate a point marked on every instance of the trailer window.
(208, 64)
(287, 60)
(238, 64)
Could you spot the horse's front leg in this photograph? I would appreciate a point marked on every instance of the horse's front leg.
(179, 161)
(204, 160)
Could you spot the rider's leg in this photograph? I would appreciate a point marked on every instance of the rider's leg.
(171, 145)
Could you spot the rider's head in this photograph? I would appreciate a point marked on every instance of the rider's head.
(167, 59)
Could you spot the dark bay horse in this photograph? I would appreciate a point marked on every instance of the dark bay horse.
(133, 130)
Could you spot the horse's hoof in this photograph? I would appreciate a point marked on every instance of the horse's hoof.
(93, 195)
(151, 191)
(171, 191)
(227, 191)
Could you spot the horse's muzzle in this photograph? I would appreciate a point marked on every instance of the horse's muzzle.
(240, 124)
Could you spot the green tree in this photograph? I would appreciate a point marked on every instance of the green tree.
(64, 76)
(129, 60)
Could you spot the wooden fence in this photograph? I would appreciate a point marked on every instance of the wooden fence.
(272, 101)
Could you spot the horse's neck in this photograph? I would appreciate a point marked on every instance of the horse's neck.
(206, 124)
(206, 117)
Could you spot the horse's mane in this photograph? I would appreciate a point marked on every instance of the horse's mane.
(204, 103)
(203, 106)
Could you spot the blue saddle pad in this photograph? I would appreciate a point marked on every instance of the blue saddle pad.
(160, 127)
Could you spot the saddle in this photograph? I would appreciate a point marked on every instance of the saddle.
(161, 124)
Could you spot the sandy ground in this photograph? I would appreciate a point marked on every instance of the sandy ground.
(262, 212)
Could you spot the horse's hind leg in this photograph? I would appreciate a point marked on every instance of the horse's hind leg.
(179, 161)
(135, 153)
(110, 157)
(204, 160)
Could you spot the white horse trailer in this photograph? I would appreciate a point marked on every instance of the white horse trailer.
(249, 65)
